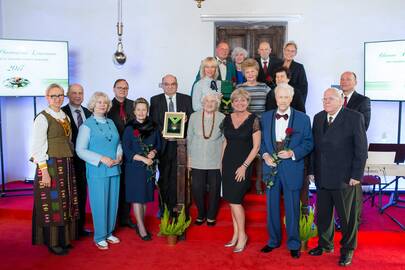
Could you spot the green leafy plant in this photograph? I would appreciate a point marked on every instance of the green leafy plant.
(307, 227)
(173, 226)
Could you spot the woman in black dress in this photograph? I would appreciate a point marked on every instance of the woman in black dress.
(242, 143)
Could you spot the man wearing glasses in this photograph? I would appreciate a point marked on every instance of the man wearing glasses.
(121, 113)
(169, 101)
(339, 158)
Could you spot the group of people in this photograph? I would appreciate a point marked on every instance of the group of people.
(242, 114)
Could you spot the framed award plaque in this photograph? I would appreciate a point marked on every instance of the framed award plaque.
(174, 124)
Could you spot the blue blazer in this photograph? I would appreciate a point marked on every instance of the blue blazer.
(290, 172)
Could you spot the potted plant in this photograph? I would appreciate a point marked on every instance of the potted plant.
(308, 228)
(173, 227)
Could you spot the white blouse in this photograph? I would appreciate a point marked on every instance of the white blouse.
(39, 146)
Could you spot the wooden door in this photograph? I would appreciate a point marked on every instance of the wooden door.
(249, 36)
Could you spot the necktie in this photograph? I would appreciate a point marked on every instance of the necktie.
(278, 116)
(345, 102)
(330, 119)
(265, 68)
(123, 115)
(79, 118)
(214, 86)
(171, 104)
(223, 62)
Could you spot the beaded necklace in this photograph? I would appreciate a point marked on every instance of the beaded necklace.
(108, 138)
(212, 126)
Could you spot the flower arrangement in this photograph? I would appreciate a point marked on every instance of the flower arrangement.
(173, 226)
(269, 178)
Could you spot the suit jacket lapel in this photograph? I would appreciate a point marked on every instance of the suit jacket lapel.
(273, 131)
(336, 122)
(352, 102)
(290, 123)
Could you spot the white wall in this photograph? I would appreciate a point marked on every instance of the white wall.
(169, 37)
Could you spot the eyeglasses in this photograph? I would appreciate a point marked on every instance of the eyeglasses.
(330, 99)
(56, 96)
(122, 88)
(170, 84)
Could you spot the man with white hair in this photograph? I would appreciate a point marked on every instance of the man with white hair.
(286, 140)
(339, 158)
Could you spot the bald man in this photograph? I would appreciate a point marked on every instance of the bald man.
(339, 158)
(267, 64)
(78, 114)
(168, 101)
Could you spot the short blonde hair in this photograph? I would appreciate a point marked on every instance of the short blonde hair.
(240, 93)
(250, 63)
(205, 62)
(141, 100)
(214, 95)
(95, 97)
(53, 85)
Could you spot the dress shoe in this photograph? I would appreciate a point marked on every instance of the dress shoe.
(346, 259)
(211, 223)
(199, 221)
(319, 250)
(267, 249)
(70, 246)
(295, 253)
(240, 249)
(58, 251)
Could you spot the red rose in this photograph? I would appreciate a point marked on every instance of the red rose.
(136, 133)
(289, 131)
(234, 79)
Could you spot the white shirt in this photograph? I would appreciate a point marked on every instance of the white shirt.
(174, 102)
(74, 114)
(281, 125)
(348, 96)
(222, 68)
(39, 146)
(267, 62)
(333, 115)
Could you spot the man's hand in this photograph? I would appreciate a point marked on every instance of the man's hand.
(285, 154)
(151, 154)
(311, 178)
(353, 182)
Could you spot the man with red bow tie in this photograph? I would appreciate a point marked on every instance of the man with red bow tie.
(286, 140)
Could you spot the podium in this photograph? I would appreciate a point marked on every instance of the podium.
(183, 177)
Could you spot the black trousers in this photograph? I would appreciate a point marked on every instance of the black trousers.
(124, 207)
(168, 177)
(199, 182)
(345, 202)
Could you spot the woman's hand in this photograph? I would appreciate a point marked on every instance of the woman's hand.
(46, 178)
(240, 173)
(269, 161)
(147, 161)
(151, 154)
(107, 161)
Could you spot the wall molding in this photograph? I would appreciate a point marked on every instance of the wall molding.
(250, 17)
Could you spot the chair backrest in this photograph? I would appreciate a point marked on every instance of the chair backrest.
(381, 157)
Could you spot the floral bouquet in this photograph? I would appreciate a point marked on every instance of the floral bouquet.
(146, 148)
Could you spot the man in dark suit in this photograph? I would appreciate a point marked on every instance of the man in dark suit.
(291, 149)
(122, 112)
(352, 99)
(267, 65)
(169, 101)
(361, 104)
(78, 114)
(339, 159)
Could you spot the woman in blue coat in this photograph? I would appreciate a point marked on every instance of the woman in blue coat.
(141, 142)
